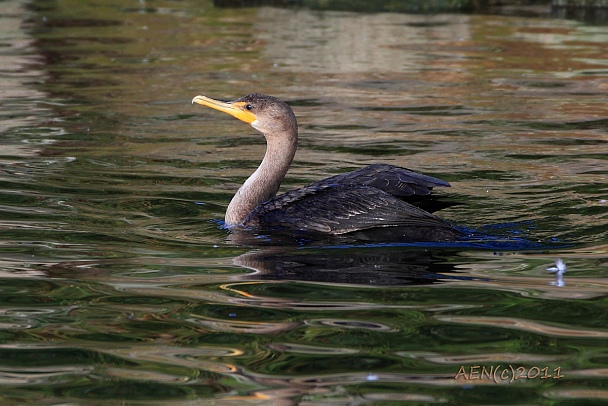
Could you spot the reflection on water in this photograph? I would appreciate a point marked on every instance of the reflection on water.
(372, 266)
(355, 43)
(119, 285)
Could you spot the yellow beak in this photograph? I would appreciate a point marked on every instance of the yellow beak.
(238, 109)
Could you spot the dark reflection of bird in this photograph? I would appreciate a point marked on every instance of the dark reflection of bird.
(369, 203)
(389, 265)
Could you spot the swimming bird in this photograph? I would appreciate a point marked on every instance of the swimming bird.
(368, 203)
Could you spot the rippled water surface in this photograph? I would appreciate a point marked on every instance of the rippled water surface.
(118, 284)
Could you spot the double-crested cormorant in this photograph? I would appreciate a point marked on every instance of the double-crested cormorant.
(366, 203)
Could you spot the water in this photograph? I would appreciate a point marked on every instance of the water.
(120, 286)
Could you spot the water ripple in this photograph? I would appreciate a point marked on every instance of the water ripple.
(526, 325)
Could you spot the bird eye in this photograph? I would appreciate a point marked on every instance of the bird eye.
(249, 107)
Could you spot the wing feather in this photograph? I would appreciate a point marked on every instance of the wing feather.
(392, 179)
(339, 210)
(370, 198)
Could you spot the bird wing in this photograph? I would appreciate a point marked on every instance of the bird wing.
(339, 209)
(391, 179)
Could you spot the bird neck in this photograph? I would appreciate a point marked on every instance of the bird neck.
(264, 183)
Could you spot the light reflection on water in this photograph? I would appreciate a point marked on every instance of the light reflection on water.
(119, 284)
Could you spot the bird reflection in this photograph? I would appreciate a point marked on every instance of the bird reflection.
(365, 266)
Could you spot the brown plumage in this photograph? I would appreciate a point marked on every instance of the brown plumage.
(370, 202)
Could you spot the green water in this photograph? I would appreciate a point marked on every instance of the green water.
(119, 286)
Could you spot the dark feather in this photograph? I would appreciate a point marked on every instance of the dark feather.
(389, 178)
(368, 198)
